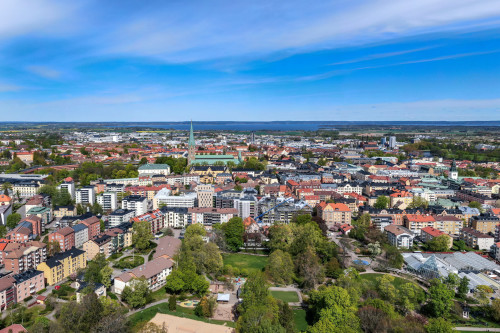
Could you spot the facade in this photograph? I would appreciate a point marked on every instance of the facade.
(164, 198)
(208, 173)
(416, 222)
(485, 223)
(209, 216)
(108, 201)
(334, 213)
(93, 226)
(428, 233)
(155, 272)
(62, 211)
(85, 195)
(246, 206)
(7, 292)
(399, 236)
(28, 284)
(205, 194)
(155, 218)
(154, 169)
(81, 232)
(136, 203)
(119, 216)
(65, 237)
(176, 217)
(100, 244)
(62, 265)
(20, 257)
(476, 239)
(68, 186)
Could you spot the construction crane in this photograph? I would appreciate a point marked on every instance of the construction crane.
(258, 218)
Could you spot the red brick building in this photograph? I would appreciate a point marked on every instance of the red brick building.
(20, 257)
(94, 226)
(65, 237)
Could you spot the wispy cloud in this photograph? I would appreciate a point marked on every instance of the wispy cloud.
(44, 72)
(380, 56)
(5, 87)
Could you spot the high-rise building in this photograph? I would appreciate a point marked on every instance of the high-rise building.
(392, 142)
(205, 195)
(453, 171)
(383, 141)
(85, 195)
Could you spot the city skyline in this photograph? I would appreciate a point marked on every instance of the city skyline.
(130, 61)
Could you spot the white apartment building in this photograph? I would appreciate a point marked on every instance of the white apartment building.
(108, 201)
(136, 203)
(68, 186)
(163, 198)
(85, 195)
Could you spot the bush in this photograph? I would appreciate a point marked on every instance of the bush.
(172, 303)
(42, 291)
(29, 298)
(244, 272)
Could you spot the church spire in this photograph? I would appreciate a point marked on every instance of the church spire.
(191, 136)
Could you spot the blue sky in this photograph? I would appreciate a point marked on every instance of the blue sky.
(249, 60)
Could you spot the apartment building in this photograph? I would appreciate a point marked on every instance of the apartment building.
(399, 236)
(154, 169)
(485, 223)
(416, 222)
(20, 257)
(120, 216)
(108, 201)
(209, 216)
(155, 272)
(164, 198)
(81, 234)
(25, 189)
(428, 233)
(176, 217)
(136, 203)
(448, 224)
(65, 237)
(155, 218)
(28, 283)
(62, 265)
(7, 292)
(93, 226)
(476, 239)
(68, 186)
(85, 195)
(205, 195)
(334, 213)
(101, 244)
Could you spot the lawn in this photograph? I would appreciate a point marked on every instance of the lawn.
(129, 262)
(247, 261)
(372, 277)
(146, 315)
(299, 316)
(285, 296)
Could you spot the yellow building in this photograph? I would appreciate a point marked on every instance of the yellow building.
(62, 265)
(62, 211)
(208, 173)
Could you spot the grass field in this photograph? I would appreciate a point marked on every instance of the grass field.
(373, 277)
(299, 316)
(240, 261)
(129, 262)
(146, 315)
(285, 296)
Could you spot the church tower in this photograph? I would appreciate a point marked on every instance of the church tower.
(453, 171)
(191, 146)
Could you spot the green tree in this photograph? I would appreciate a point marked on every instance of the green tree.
(495, 309)
(418, 202)
(463, 287)
(105, 275)
(94, 268)
(280, 237)
(439, 325)
(139, 293)
(302, 219)
(475, 204)
(440, 298)
(439, 244)
(286, 317)
(175, 282)
(333, 311)
(280, 267)
(382, 202)
(13, 220)
(385, 287)
(233, 231)
(482, 293)
(3, 231)
(141, 235)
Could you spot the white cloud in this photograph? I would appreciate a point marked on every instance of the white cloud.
(5, 87)
(44, 72)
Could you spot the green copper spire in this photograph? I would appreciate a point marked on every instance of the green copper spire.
(191, 142)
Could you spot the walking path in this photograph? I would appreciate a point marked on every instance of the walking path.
(477, 329)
